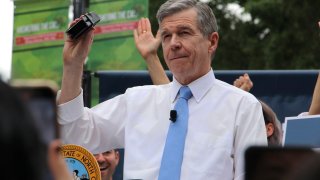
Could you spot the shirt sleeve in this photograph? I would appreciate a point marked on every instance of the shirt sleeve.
(250, 131)
(70, 111)
(97, 129)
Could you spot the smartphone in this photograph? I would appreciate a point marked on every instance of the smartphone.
(86, 22)
(39, 97)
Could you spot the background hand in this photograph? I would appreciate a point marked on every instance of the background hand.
(146, 43)
(243, 82)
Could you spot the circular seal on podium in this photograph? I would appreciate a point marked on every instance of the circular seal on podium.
(81, 163)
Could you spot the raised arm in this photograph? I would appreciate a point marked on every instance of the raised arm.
(74, 55)
(315, 103)
(147, 46)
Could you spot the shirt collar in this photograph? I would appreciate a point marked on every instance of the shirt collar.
(199, 87)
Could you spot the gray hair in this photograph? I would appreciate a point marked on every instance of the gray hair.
(207, 22)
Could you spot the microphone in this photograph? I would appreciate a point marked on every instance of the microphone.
(173, 115)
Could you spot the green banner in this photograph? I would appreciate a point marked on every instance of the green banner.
(38, 38)
(43, 63)
(38, 28)
(113, 47)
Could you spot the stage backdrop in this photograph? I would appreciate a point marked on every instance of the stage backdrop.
(114, 46)
(38, 38)
(39, 31)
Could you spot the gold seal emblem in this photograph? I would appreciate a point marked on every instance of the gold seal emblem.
(81, 163)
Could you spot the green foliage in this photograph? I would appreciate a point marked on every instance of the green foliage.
(291, 41)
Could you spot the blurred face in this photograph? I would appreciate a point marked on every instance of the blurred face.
(186, 51)
(108, 162)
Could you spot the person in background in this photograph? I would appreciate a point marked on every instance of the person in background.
(21, 144)
(108, 162)
(244, 82)
(273, 125)
(222, 120)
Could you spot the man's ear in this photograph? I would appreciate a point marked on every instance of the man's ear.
(270, 129)
(213, 42)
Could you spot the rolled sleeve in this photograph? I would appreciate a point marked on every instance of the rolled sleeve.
(70, 111)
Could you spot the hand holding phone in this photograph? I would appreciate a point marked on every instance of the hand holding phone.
(86, 22)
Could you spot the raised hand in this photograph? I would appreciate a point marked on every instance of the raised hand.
(146, 43)
(75, 51)
(243, 82)
(147, 46)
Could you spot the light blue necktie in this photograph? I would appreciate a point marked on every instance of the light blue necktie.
(173, 151)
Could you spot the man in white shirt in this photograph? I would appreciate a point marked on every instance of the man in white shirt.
(223, 120)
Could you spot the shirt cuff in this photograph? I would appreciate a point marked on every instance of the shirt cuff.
(71, 110)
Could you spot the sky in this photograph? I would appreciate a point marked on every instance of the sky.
(6, 12)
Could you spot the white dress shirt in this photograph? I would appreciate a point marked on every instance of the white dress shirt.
(223, 122)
